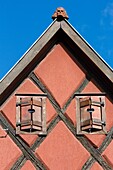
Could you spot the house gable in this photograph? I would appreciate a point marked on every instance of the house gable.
(60, 64)
(57, 32)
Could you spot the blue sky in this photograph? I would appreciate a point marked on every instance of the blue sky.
(23, 21)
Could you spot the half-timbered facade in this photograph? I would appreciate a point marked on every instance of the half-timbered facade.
(57, 105)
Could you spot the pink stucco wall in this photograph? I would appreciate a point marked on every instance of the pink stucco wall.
(60, 150)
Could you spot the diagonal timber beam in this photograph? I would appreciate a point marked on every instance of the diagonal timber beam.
(95, 153)
(103, 146)
(79, 90)
(38, 83)
(53, 123)
(19, 142)
(22, 159)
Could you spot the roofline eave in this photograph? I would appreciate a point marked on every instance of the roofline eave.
(43, 40)
(87, 49)
(29, 55)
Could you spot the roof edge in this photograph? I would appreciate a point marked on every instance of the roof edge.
(29, 55)
(27, 51)
(87, 49)
(38, 45)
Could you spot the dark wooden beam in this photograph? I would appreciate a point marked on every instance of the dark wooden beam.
(87, 49)
(103, 146)
(39, 83)
(79, 90)
(95, 153)
(22, 159)
(30, 55)
(19, 163)
(20, 143)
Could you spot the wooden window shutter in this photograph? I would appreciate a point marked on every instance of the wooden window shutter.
(31, 114)
(90, 111)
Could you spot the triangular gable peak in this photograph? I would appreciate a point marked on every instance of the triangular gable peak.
(58, 31)
(38, 98)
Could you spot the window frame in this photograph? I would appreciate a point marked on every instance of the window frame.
(19, 129)
(79, 130)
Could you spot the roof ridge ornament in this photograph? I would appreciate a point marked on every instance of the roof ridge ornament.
(60, 14)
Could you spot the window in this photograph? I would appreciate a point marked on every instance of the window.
(90, 111)
(31, 114)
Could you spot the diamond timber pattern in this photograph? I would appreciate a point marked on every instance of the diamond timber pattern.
(92, 70)
(38, 164)
(61, 105)
(29, 153)
(57, 78)
(62, 141)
